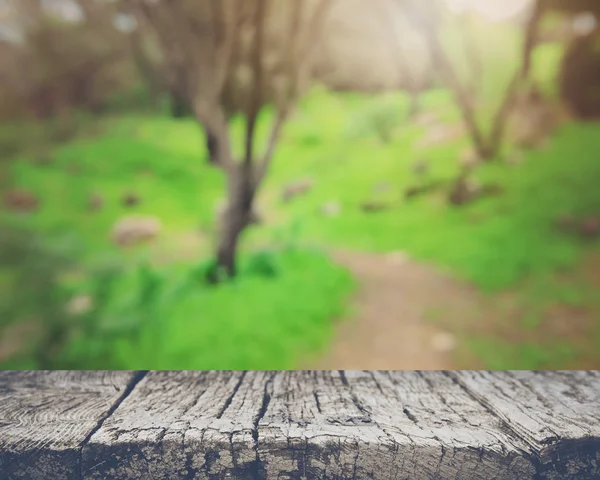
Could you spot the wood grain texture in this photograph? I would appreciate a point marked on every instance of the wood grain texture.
(302, 425)
(556, 413)
(383, 425)
(181, 425)
(45, 417)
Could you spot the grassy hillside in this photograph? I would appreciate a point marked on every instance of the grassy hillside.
(151, 308)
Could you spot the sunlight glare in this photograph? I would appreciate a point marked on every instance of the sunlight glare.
(494, 10)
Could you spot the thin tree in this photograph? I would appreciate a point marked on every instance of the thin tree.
(486, 146)
(272, 43)
(413, 82)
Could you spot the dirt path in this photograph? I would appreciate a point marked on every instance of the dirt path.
(391, 327)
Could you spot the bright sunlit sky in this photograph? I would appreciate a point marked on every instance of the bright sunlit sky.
(495, 10)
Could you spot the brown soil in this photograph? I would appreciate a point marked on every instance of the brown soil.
(13, 338)
(394, 306)
(403, 309)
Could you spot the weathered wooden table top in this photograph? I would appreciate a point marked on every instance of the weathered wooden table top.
(300, 425)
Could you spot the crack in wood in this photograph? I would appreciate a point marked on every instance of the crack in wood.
(257, 467)
(230, 398)
(137, 378)
(554, 456)
(482, 401)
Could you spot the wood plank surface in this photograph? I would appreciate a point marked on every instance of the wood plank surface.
(556, 413)
(300, 425)
(180, 425)
(45, 417)
(400, 425)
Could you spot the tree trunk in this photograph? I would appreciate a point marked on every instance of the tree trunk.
(212, 145)
(227, 250)
(180, 105)
(216, 142)
(236, 217)
(462, 97)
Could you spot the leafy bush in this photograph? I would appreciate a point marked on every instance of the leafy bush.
(380, 118)
(280, 308)
(31, 291)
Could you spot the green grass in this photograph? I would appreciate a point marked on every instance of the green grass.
(163, 162)
(527, 356)
(169, 319)
(493, 243)
(159, 317)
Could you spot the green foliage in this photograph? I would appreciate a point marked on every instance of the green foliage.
(501, 355)
(169, 318)
(264, 264)
(20, 137)
(381, 118)
(152, 306)
(136, 97)
(492, 243)
(30, 290)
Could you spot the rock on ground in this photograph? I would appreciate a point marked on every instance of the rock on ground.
(79, 305)
(130, 200)
(296, 189)
(331, 209)
(134, 230)
(21, 200)
(440, 134)
(373, 206)
(95, 203)
(443, 342)
(383, 187)
(388, 329)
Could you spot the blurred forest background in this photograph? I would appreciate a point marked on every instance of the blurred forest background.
(274, 184)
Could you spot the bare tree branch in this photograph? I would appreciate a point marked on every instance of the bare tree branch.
(296, 17)
(531, 34)
(313, 32)
(225, 37)
(208, 39)
(298, 70)
(461, 96)
(262, 169)
(486, 147)
(501, 118)
(258, 68)
(473, 54)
